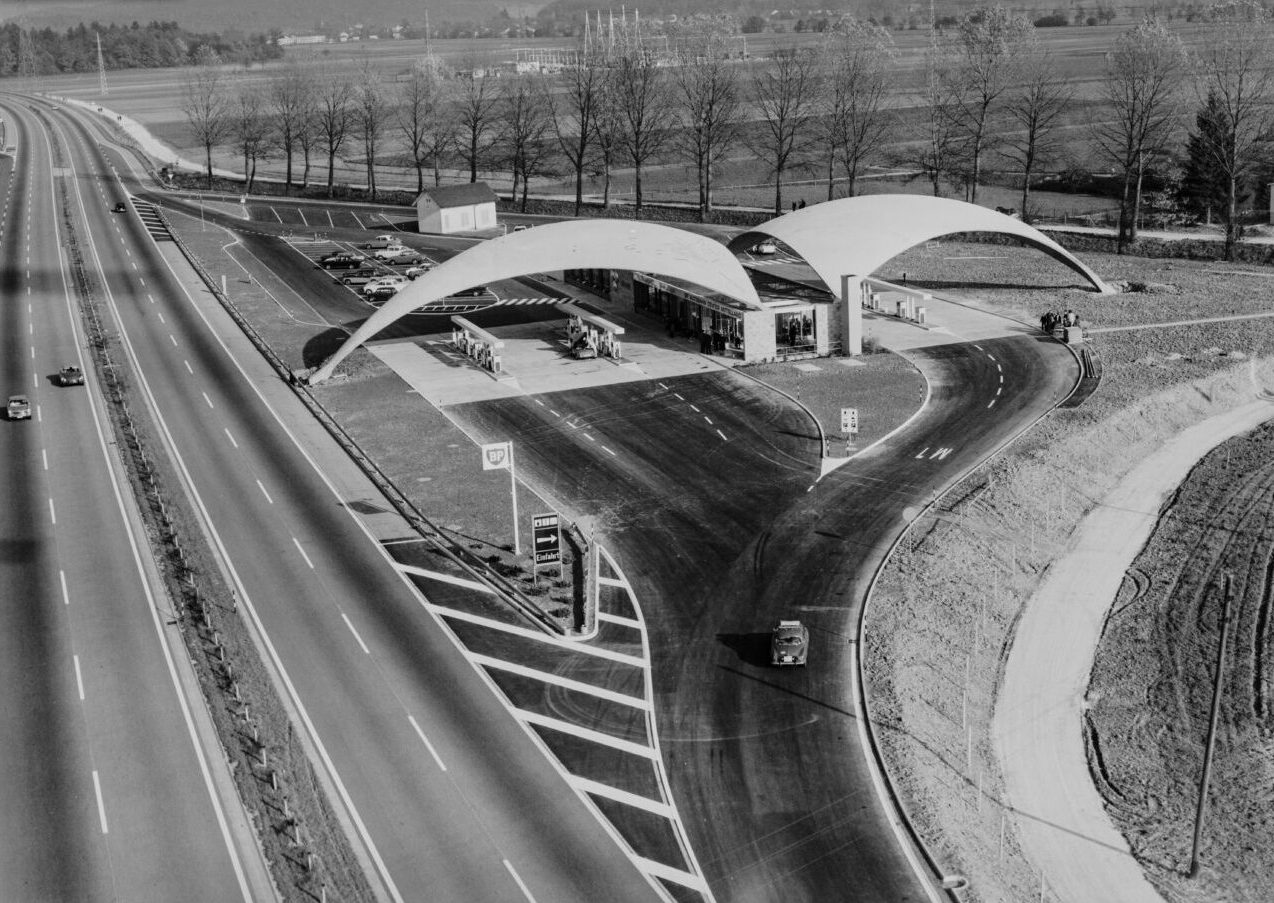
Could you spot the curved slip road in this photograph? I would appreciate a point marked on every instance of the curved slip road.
(1038, 726)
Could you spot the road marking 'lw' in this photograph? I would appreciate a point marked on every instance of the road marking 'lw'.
(939, 455)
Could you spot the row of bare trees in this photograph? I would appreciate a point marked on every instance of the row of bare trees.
(986, 88)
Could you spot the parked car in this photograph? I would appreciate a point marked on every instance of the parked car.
(381, 292)
(789, 643)
(521, 228)
(19, 407)
(418, 270)
(765, 247)
(71, 375)
(475, 292)
(340, 260)
(359, 277)
(399, 255)
(382, 241)
(380, 282)
(120, 207)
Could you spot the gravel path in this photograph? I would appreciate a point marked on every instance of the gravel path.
(1037, 728)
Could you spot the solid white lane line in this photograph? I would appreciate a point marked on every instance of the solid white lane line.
(302, 551)
(429, 746)
(189, 369)
(231, 438)
(207, 399)
(521, 886)
(444, 578)
(622, 796)
(101, 807)
(264, 493)
(722, 435)
(587, 733)
(53, 515)
(66, 597)
(361, 644)
(79, 679)
(568, 683)
(529, 634)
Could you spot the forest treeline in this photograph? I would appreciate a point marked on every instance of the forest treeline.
(32, 52)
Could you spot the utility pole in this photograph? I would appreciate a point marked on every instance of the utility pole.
(101, 68)
(1212, 723)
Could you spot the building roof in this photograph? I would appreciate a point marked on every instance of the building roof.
(856, 236)
(459, 195)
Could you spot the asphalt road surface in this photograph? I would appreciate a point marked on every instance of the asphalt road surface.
(104, 793)
(449, 798)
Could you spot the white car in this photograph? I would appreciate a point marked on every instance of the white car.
(418, 270)
(765, 247)
(383, 241)
(395, 252)
(382, 283)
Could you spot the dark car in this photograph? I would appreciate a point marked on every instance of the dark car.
(789, 643)
(340, 260)
(476, 292)
(71, 375)
(119, 207)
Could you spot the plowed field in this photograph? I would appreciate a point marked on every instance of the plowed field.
(1151, 686)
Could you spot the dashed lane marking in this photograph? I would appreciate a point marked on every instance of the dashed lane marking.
(517, 879)
(101, 807)
(79, 678)
(66, 597)
(350, 625)
(207, 399)
(429, 746)
(261, 486)
(230, 436)
(302, 551)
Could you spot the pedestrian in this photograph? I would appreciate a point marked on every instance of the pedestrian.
(794, 205)
(802, 204)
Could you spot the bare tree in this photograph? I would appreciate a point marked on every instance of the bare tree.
(855, 124)
(1234, 72)
(417, 114)
(989, 48)
(251, 128)
(333, 118)
(708, 100)
(525, 111)
(1035, 109)
(1140, 87)
(371, 111)
(207, 108)
(607, 127)
(785, 94)
(289, 106)
(574, 110)
(936, 153)
(475, 103)
(640, 90)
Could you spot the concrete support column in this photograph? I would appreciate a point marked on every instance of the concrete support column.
(851, 298)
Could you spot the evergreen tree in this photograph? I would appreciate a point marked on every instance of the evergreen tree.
(1203, 184)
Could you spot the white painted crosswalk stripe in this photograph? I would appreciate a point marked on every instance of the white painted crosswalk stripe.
(637, 702)
(586, 733)
(621, 796)
(537, 635)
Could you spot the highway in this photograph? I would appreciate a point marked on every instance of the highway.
(447, 797)
(724, 530)
(106, 789)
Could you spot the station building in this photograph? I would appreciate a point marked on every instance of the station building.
(456, 208)
(793, 320)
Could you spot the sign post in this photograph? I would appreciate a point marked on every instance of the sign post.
(499, 456)
(849, 426)
(546, 530)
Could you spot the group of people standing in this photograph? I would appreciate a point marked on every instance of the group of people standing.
(1052, 319)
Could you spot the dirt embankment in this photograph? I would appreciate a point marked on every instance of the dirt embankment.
(1152, 682)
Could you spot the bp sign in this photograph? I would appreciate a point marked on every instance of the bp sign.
(547, 532)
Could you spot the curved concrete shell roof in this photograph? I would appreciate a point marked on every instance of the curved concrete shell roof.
(856, 236)
(612, 244)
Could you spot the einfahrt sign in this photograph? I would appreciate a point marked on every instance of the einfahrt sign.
(546, 530)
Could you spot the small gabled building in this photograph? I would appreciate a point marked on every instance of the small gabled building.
(456, 208)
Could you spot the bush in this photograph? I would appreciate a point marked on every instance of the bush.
(1054, 21)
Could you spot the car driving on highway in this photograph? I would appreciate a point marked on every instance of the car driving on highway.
(19, 408)
(789, 643)
(71, 375)
(119, 207)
